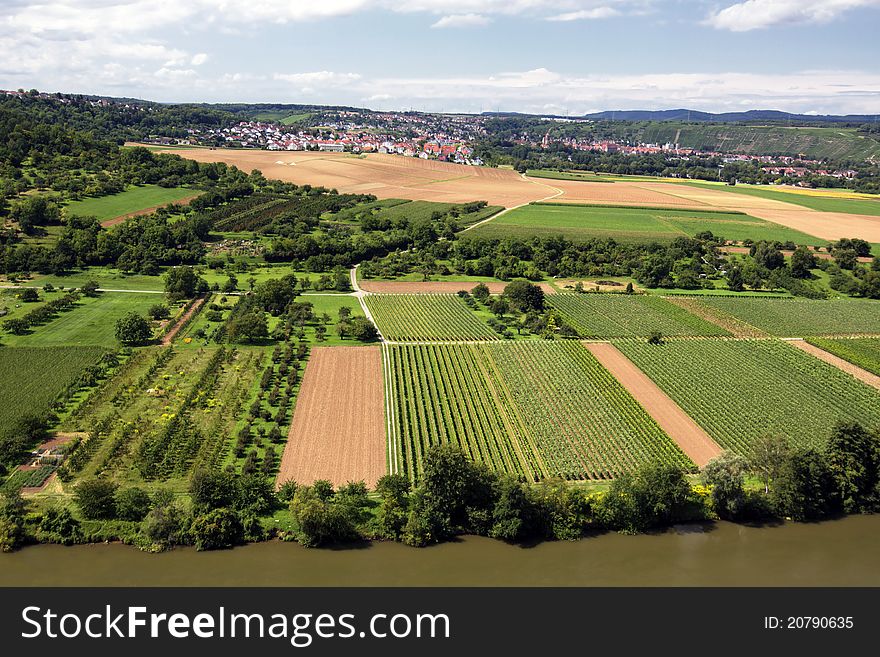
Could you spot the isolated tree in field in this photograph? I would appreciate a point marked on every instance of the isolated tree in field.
(524, 296)
(230, 285)
(344, 313)
(159, 311)
(726, 475)
(767, 457)
(481, 292)
(802, 261)
(133, 330)
(250, 327)
(184, 283)
(362, 329)
(276, 294)
(499, 306)
(29, 295)
(656, 337)
(96, 499)
(90, 288)
(629, 288)
(16, 326)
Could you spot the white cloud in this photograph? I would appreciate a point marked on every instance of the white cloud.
(585, 14)
(462, 20)
(199, 58)
(756, 14)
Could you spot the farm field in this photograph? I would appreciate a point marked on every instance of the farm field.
(831, 201)
(161, 415)
(384, 176)
(532, 409)
(861, 352)
(411, 318)
(132, 200)
(619, 315)
(741, 390)
(31, 378)
(338, 429)
(801, 317)
(438, 287)
(580, 223)
(90, 322)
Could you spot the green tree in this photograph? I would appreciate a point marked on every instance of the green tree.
(90, 288)
(767, 457)
(853, 455)
(725, 474)
(363, 329)
(133, 330)
(480, 292)
(276, 294)
(57, 525)
(735, 279)
(249, 327)
(802, 261)
(12, 513)
(804, 488)
(96, 498)
(211, 489)
(29, 295)
(133, 504)
(183, 282)
(524, 296)
(158, 311)
(216, 530)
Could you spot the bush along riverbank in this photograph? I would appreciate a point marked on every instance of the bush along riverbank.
(456, 496)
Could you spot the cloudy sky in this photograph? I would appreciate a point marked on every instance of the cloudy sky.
(540, 56)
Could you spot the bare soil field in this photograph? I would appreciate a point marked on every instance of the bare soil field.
(862, 375)
(687, 434)
(338, 428)
(394, 176)
(436, 287)
(385, 176)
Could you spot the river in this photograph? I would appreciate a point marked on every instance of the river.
(843, 552)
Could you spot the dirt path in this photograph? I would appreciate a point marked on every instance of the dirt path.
(118, 220)
(692, 440)
(169, 337)
(338, 428)
(844, 365)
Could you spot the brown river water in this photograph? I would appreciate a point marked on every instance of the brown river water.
(843, 552)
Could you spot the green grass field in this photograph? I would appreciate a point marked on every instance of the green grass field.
(869, 207)
(133, 199)
(802, 317)
(622, 315)
(32, 377)
(536, 410)
(741, 390)
(414, 317)
(581, 222)
(862, 352)
(91, 322)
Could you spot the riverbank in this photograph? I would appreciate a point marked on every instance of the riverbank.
(844, 552)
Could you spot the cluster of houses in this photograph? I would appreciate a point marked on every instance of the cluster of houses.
(345, 137)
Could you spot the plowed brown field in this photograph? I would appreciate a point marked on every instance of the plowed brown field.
(338, 428)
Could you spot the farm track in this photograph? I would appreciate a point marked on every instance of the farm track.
(686, 433)
(844, 365)
(193, 309)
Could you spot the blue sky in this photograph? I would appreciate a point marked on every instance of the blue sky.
(541, 56)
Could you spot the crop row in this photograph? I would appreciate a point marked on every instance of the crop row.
(532, 409)
(862, 352)
(619, 315)
(802, 317)
(741, 390)
(430, 317)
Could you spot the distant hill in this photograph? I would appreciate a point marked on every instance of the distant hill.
(750, 116)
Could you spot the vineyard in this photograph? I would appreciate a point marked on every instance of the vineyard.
(32, 378)
(431, 317)
(861, 352)
(258, 212)
(801, 317)
(619, 315)
(741, 390)
(533, 409)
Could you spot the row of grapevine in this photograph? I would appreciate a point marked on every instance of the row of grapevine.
(441, 397)
(426, 317)
(740, 390)
(585, 423)
(802, 317)
(619, 315)
(861, 352)
(532, 409)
